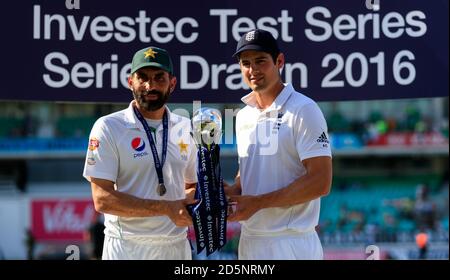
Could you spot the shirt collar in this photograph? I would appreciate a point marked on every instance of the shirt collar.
(133, 122)
(279, 101)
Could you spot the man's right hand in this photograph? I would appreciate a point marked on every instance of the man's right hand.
(231, 190)
(178, 212)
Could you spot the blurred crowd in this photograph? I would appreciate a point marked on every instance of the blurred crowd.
(376, 124)
(396, 219)
(70, 120)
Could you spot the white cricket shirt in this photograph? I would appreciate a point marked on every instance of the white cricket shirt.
(271, 145)
(119, 151)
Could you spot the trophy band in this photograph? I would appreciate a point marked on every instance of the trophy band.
(210, 213)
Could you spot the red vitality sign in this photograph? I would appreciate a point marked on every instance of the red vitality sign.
(61, 219)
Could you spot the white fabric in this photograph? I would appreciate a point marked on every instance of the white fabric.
(271, 146)
(294, 246)
(153, 123)
(144, 248)
(122, 158)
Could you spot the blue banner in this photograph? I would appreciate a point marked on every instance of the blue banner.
(69, 50)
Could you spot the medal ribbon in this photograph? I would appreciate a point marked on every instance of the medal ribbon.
(158, 164)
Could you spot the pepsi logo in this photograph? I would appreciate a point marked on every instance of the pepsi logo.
(138, 144)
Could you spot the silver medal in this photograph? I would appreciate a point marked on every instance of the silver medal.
(161, 189)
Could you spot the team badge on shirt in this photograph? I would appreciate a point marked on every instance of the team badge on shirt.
(183, 150)
(277, 125)
(93, 144)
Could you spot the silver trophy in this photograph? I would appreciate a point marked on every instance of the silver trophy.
(207, 126)
(209, 215)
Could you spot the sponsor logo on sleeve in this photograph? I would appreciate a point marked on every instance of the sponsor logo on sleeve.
(323, 139)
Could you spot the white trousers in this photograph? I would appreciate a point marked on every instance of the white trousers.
(298, 246)
(144, 248)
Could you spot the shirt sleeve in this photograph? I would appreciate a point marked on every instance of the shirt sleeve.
(311, 133)
(102, 160)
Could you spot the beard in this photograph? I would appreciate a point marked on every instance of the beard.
(151, 105)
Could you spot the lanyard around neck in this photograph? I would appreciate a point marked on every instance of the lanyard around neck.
(158, 164)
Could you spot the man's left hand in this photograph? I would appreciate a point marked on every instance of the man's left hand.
(245, 207)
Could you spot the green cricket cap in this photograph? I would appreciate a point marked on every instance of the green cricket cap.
(152, 56)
